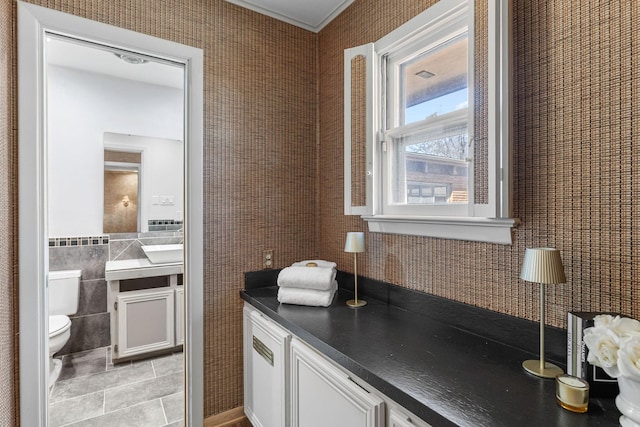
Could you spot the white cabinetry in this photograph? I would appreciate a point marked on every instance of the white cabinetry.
(397, 418)
(145, 321)
(266, 348)
(287, 383)
(146, 306)
(322, 395)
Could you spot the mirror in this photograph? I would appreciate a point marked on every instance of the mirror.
(115, 166)
(146, 169)
(115, 135)
(35, 26)
(121, 190)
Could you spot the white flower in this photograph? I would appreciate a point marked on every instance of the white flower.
(629, 357)
(614, 345)
(623, 326)
(603, 345)
(602, 320)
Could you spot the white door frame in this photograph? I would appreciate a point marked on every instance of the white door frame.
(33, 24)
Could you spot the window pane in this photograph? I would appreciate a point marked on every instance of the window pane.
(435, 82)
(430, 166)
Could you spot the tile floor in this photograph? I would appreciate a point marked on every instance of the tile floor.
(91, 391)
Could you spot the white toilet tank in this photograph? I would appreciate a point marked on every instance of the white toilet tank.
(64, 291)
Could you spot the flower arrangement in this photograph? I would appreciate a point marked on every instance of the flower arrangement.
(614, 345)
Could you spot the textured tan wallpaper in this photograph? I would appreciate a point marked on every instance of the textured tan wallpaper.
(575, 89)
(8, 226)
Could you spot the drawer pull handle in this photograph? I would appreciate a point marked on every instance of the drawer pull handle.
(263, 350)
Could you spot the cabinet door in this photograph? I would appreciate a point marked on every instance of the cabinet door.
(322, 395)
(145, 321)
(266, 350)
(179, 315)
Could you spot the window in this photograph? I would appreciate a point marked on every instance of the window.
(428, 172)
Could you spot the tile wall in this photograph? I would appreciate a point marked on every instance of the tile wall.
(90, 325)
(165, 225)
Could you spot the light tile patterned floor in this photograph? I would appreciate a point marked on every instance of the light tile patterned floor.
(91, 391)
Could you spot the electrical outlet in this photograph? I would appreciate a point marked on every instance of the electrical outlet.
(268, 258)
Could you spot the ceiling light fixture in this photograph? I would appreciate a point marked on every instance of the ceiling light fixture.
(130, 59)
(425, 74)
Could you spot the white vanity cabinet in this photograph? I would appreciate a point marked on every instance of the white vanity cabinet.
(289, 383)
(323, 395)
(145, 321)
(146, 306)
(266, 354)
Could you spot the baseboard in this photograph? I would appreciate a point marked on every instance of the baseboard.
(232, 418)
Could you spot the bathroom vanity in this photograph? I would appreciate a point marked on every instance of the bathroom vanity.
(145, 301)
(406, 359)
(289, 383)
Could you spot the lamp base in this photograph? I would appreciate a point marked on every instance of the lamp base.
(356, 303)
(550, 370)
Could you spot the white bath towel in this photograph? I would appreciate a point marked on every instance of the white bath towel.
(307, 296)
(316, 278)
(319, 262)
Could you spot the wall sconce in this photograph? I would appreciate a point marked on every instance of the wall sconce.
(125, 201)
(543, 266)
(355, 245)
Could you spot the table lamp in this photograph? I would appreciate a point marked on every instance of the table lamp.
(543, 266)
(355, 245)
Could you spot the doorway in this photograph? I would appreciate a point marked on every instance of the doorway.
(35, 25)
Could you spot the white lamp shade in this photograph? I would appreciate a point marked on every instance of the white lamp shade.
(355, 242)
(543, 265)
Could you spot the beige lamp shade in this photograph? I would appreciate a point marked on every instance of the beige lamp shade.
(543, 265)
(355, 242)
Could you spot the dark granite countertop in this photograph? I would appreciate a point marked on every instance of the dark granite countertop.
(442, 373)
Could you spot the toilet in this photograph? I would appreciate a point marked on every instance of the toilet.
(64, 293)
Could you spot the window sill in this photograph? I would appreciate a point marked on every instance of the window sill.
(490, 230)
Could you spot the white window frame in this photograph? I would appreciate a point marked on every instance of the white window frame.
(491, 222)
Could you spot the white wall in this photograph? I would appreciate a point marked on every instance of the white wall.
(82, 107)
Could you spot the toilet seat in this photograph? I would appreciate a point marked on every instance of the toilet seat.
(58, 324)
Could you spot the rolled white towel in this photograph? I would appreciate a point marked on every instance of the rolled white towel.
(307, 296)
(318, 262)
(316, 278)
